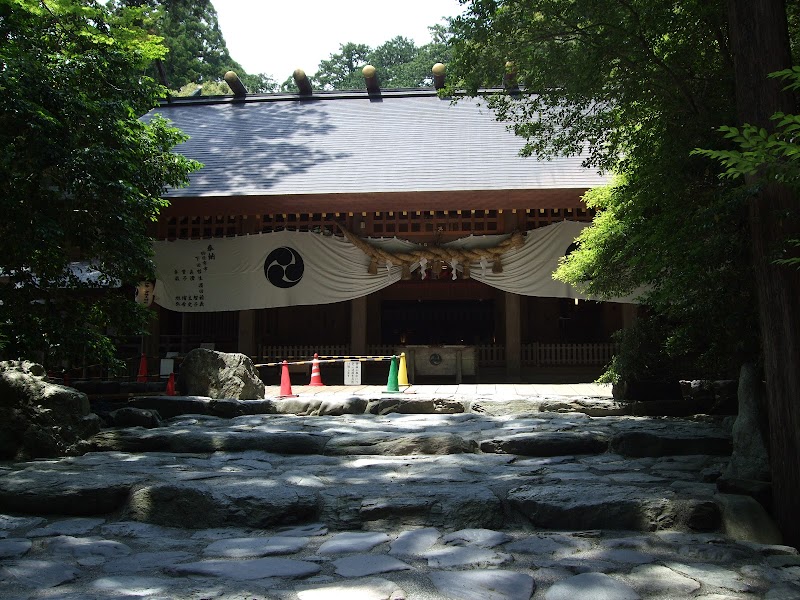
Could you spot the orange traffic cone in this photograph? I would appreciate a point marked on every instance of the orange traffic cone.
(142, 377)
(316, 377)
(286, 383)
(171, 385)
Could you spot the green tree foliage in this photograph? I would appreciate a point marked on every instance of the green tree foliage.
(80, 175)
(197, 53)
(399, 63)
(769, 155)
(342, 71)
(766, 156)
(633, 86)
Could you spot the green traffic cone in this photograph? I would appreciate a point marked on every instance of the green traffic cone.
(392, 386)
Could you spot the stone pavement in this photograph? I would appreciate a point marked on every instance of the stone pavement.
(494, 391)
(470, 493)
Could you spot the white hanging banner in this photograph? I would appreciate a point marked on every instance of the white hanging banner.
(528, 270)
(289, 268)
(144, 293)
(285, 268)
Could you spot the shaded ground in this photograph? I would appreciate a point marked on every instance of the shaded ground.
(496, 500)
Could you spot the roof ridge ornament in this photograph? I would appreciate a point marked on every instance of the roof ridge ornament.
(302, 82)
(439, 71)
(371, 80)
(236, 85)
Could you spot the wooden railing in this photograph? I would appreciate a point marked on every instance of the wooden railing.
(556, 355)
(303, 352)
(491, 355)
(549, 355)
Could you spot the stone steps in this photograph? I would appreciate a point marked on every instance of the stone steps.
(354, 471)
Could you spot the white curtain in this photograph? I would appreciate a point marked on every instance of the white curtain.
(293, 268)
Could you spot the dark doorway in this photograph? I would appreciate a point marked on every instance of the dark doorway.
(437, 321)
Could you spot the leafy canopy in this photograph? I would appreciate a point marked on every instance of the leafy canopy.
(198, 56)
(633, 86)
(399, 63)
(80, 175)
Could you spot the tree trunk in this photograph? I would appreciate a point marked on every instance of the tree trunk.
(760, 45)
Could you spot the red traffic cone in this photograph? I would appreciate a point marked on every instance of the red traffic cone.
(171, 385)
(286, 383)
(142, 377)
(316, 377)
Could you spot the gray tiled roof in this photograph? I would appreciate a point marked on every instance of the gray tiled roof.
(349, 143)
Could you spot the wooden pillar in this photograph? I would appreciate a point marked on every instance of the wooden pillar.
(513, 337)
(184, 333)
(358, 326)
(630, 314)
(151, 339)
(247, 326)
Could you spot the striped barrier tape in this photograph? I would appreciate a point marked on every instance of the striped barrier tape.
(329, 359)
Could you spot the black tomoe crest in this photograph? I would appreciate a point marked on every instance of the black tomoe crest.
(283, 267)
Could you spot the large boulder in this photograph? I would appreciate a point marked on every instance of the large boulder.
(749, 470)
(219, 375)
(40, 419)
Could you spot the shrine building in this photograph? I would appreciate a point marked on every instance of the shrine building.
(372, 222)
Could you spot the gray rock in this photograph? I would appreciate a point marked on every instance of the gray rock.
(361, 565)
(54, 492)
(199, 440)
(37, 573)
(254, 502)
(310, 530)
(659, 580)
(596, 586)
(745, 519)
(464, 556)
(783, 560)
(83, 547)
(555, 544)
(569, 506)
(145, 561)
(173, 406)
(342, 543)
(587, 406)
(38, 418)
(643, 443)
(370, 588)
(10, 523)
(243, 570)
(492, 584)
(395, 507)
(712, 575)
(337, 407)
(784, 591)
(750, 459)
(67, 527)
(255, 546)
(625, 556)
(414, 543)
(415, 406)
(127, 586)
(389, 444)
(134, 529)
(559, 443)
(442, 505)
(485, 538)
(130, 416)
(219, 375)
(14, 547)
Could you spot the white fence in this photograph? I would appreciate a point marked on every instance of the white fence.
(488, 355)
(556, 355)
(306, 352)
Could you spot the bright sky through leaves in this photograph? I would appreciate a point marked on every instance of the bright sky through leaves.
(276, 37)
